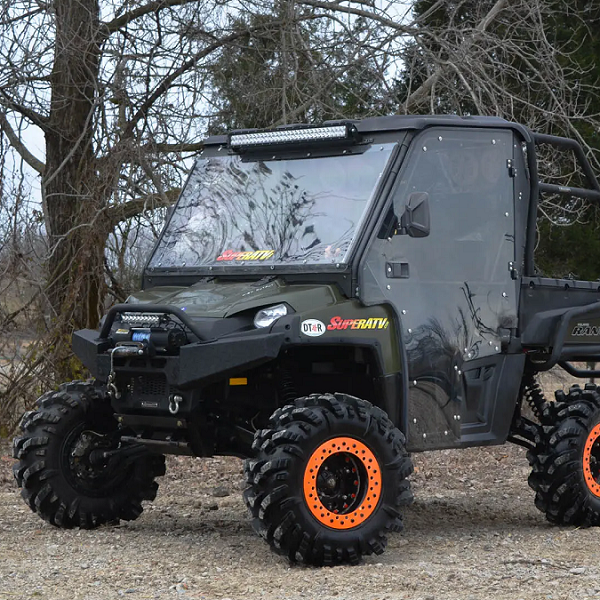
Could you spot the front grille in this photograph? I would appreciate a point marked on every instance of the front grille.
(150, 385)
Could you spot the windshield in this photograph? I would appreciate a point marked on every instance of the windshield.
(305, 211)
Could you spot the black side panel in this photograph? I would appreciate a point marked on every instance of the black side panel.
(488, 390)
(545, 300)
(492, 390)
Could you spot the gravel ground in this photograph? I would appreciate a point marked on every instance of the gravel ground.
(473, 532)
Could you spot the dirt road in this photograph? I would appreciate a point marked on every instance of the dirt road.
(473, 532)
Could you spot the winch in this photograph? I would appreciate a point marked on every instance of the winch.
(155, 339)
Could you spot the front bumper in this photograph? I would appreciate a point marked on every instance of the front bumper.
(197, 363)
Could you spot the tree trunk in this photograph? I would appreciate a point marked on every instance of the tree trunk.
(72, 190)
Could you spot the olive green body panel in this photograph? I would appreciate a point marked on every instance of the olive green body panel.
(221, 299)
(343, 321)
(349, 322)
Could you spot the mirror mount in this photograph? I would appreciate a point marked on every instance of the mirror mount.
(390, 226)
(415, 220)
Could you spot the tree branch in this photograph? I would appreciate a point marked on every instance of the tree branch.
(116, 24)
(182, 147)
(118, 213)
(20, 147)
(425, 88)
(165, 84)
(338, 7)
(21, 17)
(491, 16)
(28, 113)
(13, 315)
(117, 291)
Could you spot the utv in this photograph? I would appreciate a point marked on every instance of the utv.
(323, 301)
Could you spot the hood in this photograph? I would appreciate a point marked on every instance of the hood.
(225, 298)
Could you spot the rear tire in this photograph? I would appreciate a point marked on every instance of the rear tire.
(566, 463)
(57, 477)
(328, 481)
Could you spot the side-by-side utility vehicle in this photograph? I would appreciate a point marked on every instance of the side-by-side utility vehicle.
(324, 301)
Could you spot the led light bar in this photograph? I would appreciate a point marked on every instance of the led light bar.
(290, 136)
(139, 318)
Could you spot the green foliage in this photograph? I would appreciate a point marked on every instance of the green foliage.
(571, 251)
(575, 249)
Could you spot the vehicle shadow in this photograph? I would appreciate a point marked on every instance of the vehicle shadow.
(472, 511)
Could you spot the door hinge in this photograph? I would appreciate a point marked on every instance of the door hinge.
(512, 171)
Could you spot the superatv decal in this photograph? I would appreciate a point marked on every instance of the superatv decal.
(250, 255)
(312, 327)
(337, 323)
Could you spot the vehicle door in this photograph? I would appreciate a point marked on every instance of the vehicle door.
(451, 288)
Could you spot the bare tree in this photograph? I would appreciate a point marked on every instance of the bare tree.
(116, 91)
(22, 249)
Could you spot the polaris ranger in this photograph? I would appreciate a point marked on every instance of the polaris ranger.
(323, 301)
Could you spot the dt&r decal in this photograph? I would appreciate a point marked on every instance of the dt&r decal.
(312, 327)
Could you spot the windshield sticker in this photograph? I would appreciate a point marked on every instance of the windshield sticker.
(312, 327)
(250, 255)
(337, 323)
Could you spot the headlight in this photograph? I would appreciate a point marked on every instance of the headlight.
(268, 316)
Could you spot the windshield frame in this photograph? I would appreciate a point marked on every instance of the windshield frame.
(192, 272)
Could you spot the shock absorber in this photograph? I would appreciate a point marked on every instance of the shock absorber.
(286, 388)
(531, 391)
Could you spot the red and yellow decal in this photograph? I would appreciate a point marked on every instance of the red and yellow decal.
(339, 324)
(249, 255)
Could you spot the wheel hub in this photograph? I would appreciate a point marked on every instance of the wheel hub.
(339, 482)
(87, 462)
(342, 483)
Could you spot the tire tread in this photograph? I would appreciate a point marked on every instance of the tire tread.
(556, 466)
(272, 500)
(38, 470)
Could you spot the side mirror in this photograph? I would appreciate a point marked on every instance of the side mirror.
(415, 220)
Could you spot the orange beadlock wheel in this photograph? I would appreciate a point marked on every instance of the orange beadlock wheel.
(591, 461)
(342, 483)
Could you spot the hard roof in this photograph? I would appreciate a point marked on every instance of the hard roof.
(398, 123)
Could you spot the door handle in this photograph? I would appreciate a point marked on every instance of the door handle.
(397, 270)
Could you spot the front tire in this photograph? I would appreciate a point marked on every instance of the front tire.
(328, 481)
(566, 463)
(60, 477)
